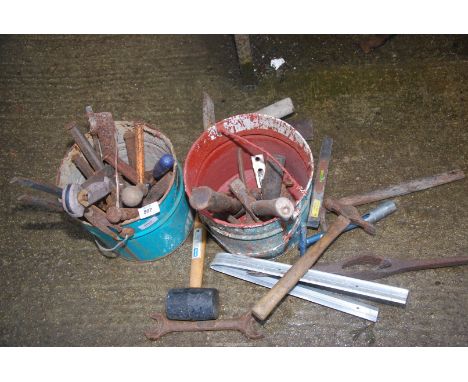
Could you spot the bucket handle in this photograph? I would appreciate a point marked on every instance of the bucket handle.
(104, 251)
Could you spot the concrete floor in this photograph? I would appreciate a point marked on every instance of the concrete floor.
(395, 114)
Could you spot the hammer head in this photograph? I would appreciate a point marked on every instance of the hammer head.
(192, 304)
(200, 198)
(349, 212)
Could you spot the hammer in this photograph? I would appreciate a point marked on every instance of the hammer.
(194, 303)
(347, 214)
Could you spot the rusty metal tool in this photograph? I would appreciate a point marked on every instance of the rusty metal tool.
(384, 266)
(94, 192)
(96, 143)
(133, 195)
(98, 176)
(281, 207)
(205, 198)
(37, 185)
(139, 152)
(115, 214)
(48, 204)
(98, 218)
(304, 126)
(102, 125)
(273, 179)
(294, 188)
(82, 165)
(159, 189)
(348, 214)
(85, 146)
(403, 188)
(240, 192)
(208, 111)
(381, 211)
(122, 167)
(313, 219)
(244, 324)
(240, 165)
(129, 139)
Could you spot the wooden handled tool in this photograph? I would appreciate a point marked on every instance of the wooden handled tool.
(194, 303)
(198, 254)
(348, 214)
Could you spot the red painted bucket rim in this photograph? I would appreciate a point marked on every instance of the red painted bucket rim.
(239, 124)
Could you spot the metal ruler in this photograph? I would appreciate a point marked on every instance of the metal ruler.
(263, 272)
(313, 219)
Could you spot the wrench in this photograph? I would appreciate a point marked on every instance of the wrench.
(244, 324)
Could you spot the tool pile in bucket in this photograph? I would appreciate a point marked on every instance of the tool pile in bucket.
(100, 187)
(250, 179)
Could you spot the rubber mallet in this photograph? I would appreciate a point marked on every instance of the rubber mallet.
(194, 303)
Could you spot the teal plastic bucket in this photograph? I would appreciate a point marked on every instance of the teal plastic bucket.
(155, 236)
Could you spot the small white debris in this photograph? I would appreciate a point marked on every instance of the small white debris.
(276, 63)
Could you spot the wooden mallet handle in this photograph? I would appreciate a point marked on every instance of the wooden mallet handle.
(198, 254)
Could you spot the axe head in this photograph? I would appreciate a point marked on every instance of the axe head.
(349, 212)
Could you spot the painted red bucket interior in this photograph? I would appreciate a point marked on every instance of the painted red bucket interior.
(213, 162)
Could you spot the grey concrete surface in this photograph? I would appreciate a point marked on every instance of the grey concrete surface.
(394, 114)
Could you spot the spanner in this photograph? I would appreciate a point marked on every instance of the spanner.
(244, 324)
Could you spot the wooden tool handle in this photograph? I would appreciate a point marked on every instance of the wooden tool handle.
(403, 188)
(198, 254)
(267, 303)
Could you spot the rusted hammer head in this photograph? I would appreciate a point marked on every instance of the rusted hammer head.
(349, 212)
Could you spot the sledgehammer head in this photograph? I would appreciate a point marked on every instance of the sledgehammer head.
(192, 304)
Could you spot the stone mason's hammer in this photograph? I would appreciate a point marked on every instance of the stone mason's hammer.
(194, 303)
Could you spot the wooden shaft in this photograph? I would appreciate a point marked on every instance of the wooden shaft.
(206, 198)
(198, 254)
(269, 301)
(281, 207)
(403, 188)
(140, 152)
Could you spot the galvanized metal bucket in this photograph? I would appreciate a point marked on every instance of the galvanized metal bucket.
(155, 236)
(211, 162)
